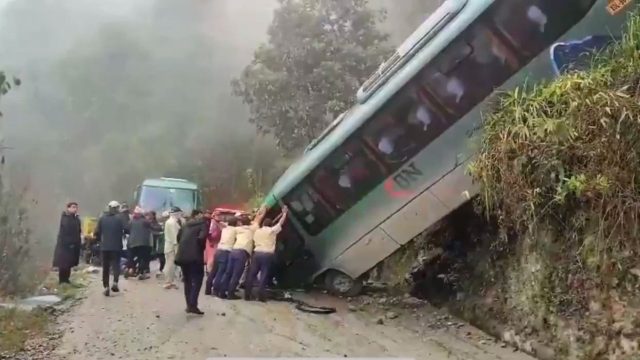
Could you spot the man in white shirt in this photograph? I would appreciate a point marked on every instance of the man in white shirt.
(221, 257)
(171, 229)
(240, 254)
(265, 247)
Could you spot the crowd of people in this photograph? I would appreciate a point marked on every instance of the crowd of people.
(242, 246)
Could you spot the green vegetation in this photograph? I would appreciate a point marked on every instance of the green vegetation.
(318, 54)
(65, 291)
(15, 274)
(559, 167)
(17, 326)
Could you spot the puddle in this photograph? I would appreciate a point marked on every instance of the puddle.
(34, 302)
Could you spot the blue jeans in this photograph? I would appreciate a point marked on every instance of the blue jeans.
(260, 263)
(220, 262)
(237, 261)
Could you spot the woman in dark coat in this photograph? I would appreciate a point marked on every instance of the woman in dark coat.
(67, 254)
(190, 258)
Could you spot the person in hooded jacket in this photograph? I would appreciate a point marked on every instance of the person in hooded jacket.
(110, 231)
(190, 258)
(67, 253)
(140, 237)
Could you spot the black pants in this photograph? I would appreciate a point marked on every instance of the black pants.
(192, 274)
(110, 259)
(63, 275)
(142, 256)
(163, 261)
(131, 261)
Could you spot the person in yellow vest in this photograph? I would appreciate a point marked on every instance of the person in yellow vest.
(240, 254)
(264, 240)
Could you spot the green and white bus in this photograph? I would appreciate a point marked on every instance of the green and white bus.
(395, 164)
(161, 194)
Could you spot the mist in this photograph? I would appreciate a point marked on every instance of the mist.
(115, 91)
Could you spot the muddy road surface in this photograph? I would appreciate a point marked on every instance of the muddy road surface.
(145, 321)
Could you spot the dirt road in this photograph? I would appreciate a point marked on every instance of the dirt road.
(145, 321)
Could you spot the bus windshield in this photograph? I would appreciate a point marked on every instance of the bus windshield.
(160, 199)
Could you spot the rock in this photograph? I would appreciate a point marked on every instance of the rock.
(382, 300)
(380, 321)
(353, 308)
(411, 302)
(635, 271)
(391, 315)
(91, 270)
(366, 300)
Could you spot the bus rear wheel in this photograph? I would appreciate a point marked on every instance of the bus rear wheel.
(341, 284)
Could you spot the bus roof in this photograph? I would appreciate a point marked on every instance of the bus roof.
(361, 112)
(171, 183)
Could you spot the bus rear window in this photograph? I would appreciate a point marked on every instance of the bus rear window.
(532, 25)
(309, 208)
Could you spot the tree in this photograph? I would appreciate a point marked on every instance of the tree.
(14, 234)
(317, 55)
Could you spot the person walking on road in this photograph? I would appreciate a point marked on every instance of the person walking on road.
(190, 258)
(110, 232)
(240, 254)
(140, 237)
(125, 217)
(67, 252)
(263, 255)
(171, 228)
(221, 257)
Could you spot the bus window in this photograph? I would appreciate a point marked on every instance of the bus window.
(347, 175)
(309, 209)
(489, 64)
(532, 25)
(405, 127)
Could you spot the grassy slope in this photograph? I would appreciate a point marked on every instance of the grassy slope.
(560, 167)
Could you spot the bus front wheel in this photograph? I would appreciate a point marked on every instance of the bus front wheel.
(341, 284)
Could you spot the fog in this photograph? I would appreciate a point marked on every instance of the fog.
(114, 91)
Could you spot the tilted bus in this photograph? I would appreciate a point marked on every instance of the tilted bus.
(395, 164)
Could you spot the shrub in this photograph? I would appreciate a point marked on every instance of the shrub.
(15, 266)
(567, 154)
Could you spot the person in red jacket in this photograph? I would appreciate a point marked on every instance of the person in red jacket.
(213, 238)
